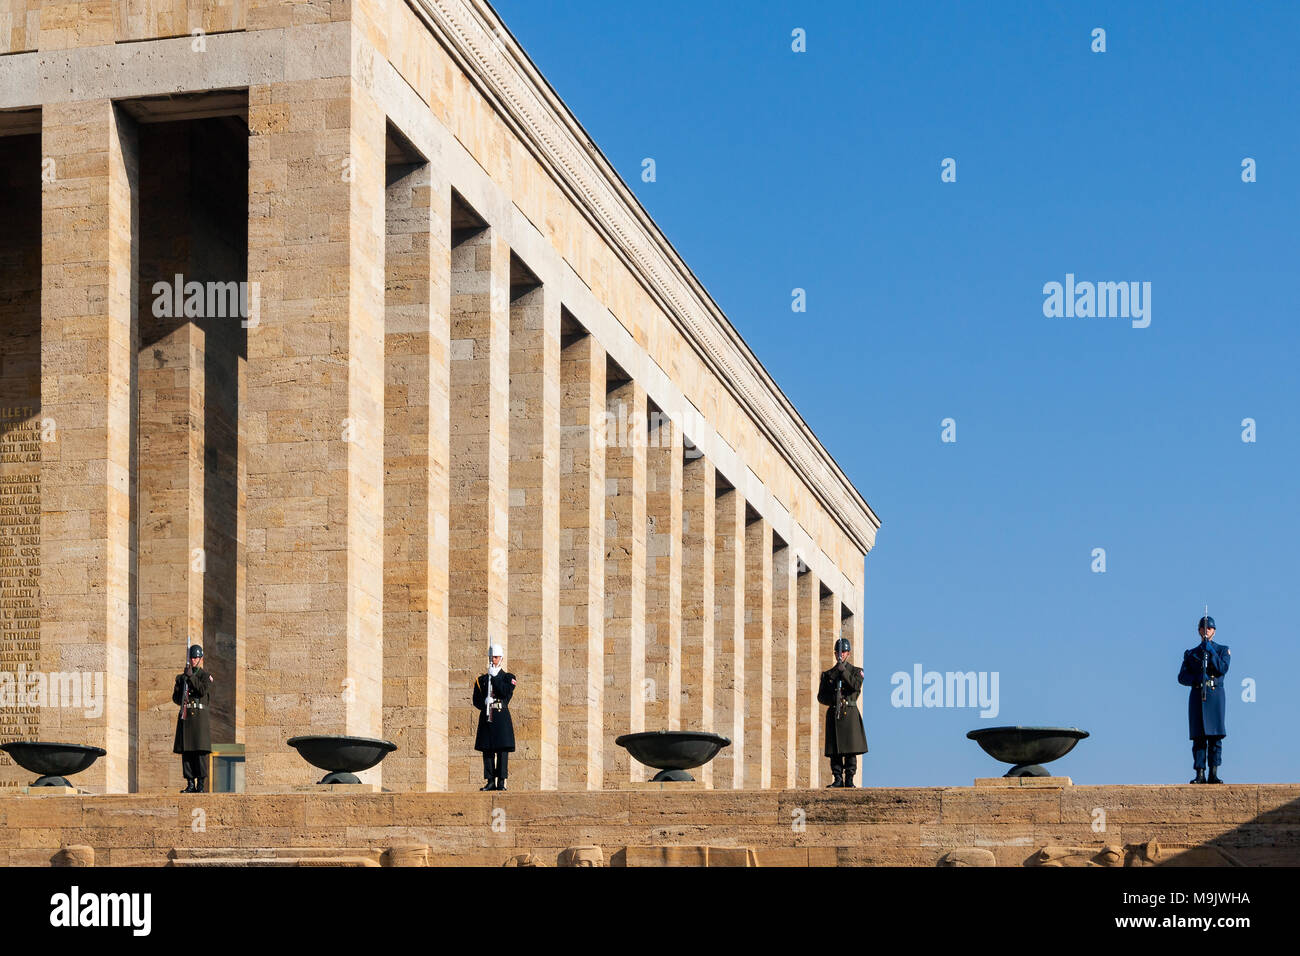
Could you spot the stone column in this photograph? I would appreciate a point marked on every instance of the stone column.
(582, 565)
(240, 669)
(830, 629)
(89, 295)
(699, 496)
(758, 654)
(625, 576)
(854, 627)
(785, 632)
(417, 266)
(315, 421)
(480, 481)
(829, 626)
(663, 637)
(170, 499)
(729, 637)
(811, 654)
(535, 536)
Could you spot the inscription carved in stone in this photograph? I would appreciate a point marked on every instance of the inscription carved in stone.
(20, 583)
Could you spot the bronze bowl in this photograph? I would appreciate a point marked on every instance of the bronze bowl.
(1027, 747)
(343, 757)
(673, 752)
(52, 761)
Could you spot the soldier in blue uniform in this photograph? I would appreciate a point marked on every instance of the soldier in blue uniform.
(1203, 670)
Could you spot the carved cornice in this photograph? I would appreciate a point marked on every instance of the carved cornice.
(473, 33)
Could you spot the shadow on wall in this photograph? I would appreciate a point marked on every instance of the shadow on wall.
(1270, 838)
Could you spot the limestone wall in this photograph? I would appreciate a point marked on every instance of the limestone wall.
(1235, 824)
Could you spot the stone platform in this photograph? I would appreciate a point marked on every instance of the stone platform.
(1229, 825)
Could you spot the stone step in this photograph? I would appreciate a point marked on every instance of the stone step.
(233, 861)
(274, 856)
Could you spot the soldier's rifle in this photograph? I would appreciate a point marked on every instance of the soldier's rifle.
(1205, 655)
(185, 695)
(487, 691)
(839, 689)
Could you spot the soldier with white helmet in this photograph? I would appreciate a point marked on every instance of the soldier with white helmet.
(496, 732)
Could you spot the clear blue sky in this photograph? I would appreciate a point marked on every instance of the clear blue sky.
(821, 170)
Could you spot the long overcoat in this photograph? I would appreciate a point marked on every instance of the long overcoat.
(194, 731)
(844, 733)
(499, 732)
(1206, 718)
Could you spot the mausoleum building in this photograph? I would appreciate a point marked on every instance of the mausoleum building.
(330, 341)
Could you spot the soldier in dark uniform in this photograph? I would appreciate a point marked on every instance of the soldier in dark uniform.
(845, 738)
(496, 732)
(1203, 670)
(193, 728)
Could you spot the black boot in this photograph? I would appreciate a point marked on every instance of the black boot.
(501, 783)
(490, 785)
(1200, 777)
(202, 785)
(189, 786)
(836, 781)
(1214, 776)
(848, 778)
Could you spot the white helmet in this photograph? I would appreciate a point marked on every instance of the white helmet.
(496, 650)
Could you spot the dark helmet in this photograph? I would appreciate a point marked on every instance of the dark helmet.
(1205, 622)
(843, 645)
(196, 651)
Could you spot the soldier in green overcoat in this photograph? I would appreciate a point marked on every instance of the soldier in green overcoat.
(193, 727)
(845, 738)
